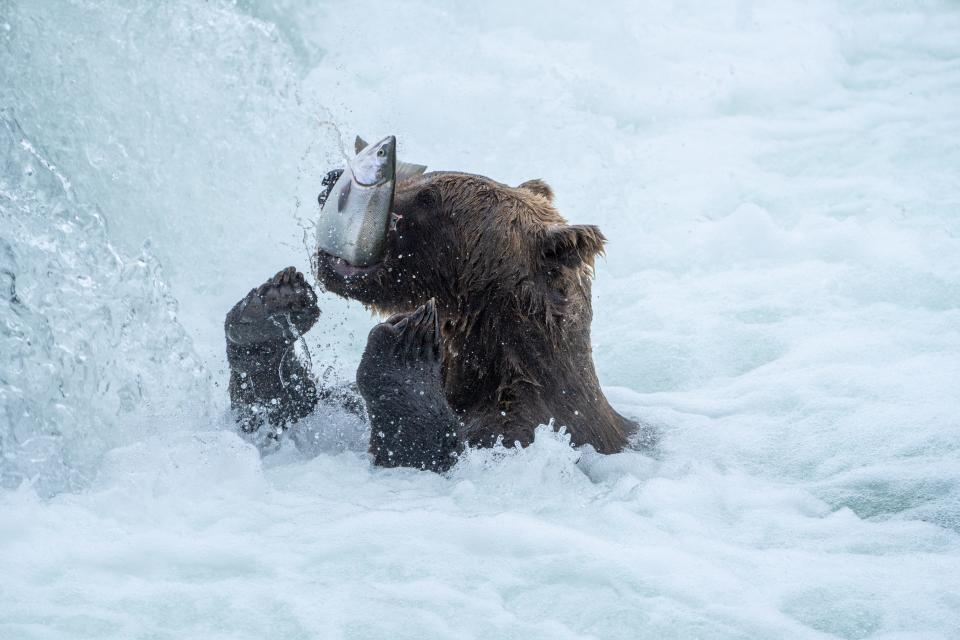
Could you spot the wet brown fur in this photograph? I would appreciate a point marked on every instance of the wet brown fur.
(512, 283)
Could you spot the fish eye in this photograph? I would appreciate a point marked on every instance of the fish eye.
(381, 152)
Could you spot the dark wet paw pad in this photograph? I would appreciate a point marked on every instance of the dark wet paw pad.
(404, 349)
(284, 306)
(287, 291)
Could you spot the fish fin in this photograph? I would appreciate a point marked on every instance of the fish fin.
(409, 170)
(404, 169)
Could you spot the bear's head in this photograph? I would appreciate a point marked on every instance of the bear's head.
(474, 245)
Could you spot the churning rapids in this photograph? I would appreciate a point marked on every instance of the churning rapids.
(781, 297)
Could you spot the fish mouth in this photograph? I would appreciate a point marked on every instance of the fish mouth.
(343, 268)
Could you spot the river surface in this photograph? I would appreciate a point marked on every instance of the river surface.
(780, 298)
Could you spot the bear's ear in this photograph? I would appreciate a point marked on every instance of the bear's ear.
(572, 244)
(538, 187)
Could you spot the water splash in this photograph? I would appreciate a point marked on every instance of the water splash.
(89, 337)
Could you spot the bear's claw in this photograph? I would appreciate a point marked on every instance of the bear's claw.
(419, 334)
(282, 308)
(403, 350)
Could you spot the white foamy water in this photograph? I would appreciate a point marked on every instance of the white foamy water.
(781, 297)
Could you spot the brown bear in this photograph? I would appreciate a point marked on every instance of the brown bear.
(489, 288)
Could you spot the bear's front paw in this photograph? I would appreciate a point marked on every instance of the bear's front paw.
(402, 356)
(411, 424)
(328, 181)
(282, 308)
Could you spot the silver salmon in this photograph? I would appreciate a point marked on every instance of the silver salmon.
(355, 217)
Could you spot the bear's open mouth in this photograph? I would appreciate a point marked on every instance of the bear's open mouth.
(343, 268)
